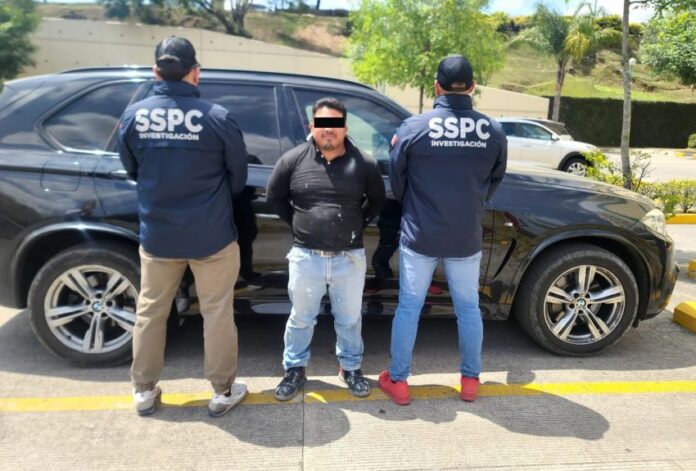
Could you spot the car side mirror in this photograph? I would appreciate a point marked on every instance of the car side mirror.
(555, 138)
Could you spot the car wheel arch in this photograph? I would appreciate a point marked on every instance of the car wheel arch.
(568, 156)
(614, 243)
(44, 243)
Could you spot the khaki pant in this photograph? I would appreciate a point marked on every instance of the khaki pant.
(215, 278)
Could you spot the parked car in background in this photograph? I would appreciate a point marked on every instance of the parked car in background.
(545, 143)
(576, 261)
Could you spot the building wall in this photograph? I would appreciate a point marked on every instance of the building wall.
(69, 44)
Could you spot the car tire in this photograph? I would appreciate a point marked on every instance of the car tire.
(569, 315)
(576, 166)
(82, 304)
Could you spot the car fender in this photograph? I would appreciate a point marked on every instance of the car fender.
(568, 154)
(40, 233)
(575, 235)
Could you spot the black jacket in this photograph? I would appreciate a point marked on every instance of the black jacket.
(327, 203)
(444, 164)
(188, 158)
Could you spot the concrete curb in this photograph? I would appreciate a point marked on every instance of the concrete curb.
(654, 151)
(685, 315)
(682, 219)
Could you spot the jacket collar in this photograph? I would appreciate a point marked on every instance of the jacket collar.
(458, 102)
(163, 87)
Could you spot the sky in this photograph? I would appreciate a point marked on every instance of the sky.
(511, 7)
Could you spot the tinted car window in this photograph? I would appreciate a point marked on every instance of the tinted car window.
(370, 125)
(509, 129)
(558, 128)
(89, 122)
(532, 131)
(254, 109)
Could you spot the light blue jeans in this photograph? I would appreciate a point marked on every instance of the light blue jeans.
(415, 275)
(310, 276)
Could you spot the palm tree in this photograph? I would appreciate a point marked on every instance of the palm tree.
(566, 39)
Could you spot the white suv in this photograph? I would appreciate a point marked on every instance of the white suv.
(544, 143)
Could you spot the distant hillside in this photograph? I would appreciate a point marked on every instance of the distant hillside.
(525, 70)
(327, 35)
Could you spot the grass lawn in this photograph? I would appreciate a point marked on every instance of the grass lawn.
(527, 71)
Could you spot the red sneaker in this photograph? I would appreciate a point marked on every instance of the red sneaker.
(397, 391)
(470, 387)
(435, 290)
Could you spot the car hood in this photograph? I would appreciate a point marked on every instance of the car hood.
(555, 178)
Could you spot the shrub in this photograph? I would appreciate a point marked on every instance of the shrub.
(604, 170)
(668, 196)
(692, 141)
(687, 195)
(672, 196)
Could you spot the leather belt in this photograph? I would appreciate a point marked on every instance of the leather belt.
(328, 253)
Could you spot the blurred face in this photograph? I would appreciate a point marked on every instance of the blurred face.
(328, 139)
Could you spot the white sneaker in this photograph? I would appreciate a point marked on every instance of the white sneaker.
(220, 404)
(147, 401)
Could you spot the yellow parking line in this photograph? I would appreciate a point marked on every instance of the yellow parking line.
(97, 403)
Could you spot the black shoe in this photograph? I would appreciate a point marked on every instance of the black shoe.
(357, 384)
(291, 384)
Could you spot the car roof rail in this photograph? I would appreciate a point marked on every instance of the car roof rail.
(143, 68)
(105, 69)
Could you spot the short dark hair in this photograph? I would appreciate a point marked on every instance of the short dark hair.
(173, 75)
(331, 103)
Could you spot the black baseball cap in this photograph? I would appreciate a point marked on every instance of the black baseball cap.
(453, 69)
(175, 53)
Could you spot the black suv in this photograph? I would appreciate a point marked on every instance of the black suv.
(576, 261)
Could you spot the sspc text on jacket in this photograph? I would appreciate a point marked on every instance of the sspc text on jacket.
(188, 158)
(444, 165)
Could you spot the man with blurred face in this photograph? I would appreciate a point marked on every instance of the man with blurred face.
(327, 191)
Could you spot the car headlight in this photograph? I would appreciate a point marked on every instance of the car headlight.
(655, 220)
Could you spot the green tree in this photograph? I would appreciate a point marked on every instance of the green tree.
(566, 39)
(400, 42)
(660, 7)
(120, 9)
(669, 46)
(548, 35)
(231, 20)
(17, 20)
(156, 11)
(149, 12)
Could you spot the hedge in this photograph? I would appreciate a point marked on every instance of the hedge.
(653, 124)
